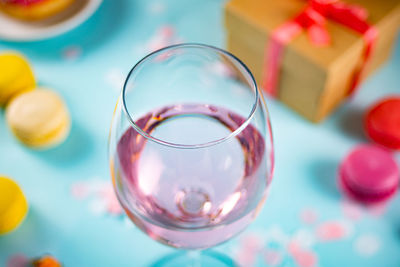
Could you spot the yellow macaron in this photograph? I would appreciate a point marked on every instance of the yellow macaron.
(38, 118)
(13, 205)
(15, 76)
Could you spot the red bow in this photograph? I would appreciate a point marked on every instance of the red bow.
(313, 19)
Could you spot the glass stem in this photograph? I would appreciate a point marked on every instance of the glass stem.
(194, 258)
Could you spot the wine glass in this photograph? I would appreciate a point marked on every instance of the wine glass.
(190, 148)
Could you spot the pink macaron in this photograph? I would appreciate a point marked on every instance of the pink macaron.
(369, 174)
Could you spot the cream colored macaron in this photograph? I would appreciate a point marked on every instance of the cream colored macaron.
(13, 205)
(15, 76)
(38, 118)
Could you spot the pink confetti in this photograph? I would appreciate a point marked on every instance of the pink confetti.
(331, 231)
(128, 223)
(103, 198)
(273, 257)
(305, 258)
(98, 206)
(367, 245)
(276, 234)
(250, 246)
(252, 242)
(115, 78)
(221, 69)
(162, 57)
(72, 52)
(352, 210)
(18, 260)
(167, 31)
(79, 191)
(304, 237)
(246, 258)
(113, 206)
(377, 210)
(156, 8)
(293, 247)
(163, 37)
(308, 216)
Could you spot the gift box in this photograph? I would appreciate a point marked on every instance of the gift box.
(313, 54)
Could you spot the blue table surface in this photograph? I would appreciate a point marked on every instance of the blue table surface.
(86, 66)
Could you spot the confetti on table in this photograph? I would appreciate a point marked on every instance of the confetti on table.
(156, 8)
(245, 258)
(250, 246)
(251, 242)
(309, 216)
(273, 257)
(164, 36)
(352, 210)
(79, 190)
(102, 197)
(220, 69)
(276, 234)
(18, 260)
(274, 246)
(304, 257)
(367, 245)
(113, 206)
(333, 230)
(304, 237)
(98, 206)
(128, 223)
(72, 52)
(115, 78)
(377, 210)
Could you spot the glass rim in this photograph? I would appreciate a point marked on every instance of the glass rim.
(231, 135)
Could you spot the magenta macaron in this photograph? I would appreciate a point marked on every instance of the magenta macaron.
(369, 174)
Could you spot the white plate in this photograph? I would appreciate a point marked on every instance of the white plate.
(17, 30)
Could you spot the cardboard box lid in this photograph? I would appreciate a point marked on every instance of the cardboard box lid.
(267, 15)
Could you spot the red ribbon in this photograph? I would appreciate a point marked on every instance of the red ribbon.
(312, 19)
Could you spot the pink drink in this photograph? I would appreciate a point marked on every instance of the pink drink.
(191, 198)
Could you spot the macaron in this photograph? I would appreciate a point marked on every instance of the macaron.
(38, 118)
(46, 261)
(369, 174)
(16, 76)
(34, 9)
(13, 205)
(382, 123)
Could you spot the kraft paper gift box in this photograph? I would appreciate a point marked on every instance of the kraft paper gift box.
(312, 79)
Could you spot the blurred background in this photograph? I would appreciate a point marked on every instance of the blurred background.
(73, 214)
